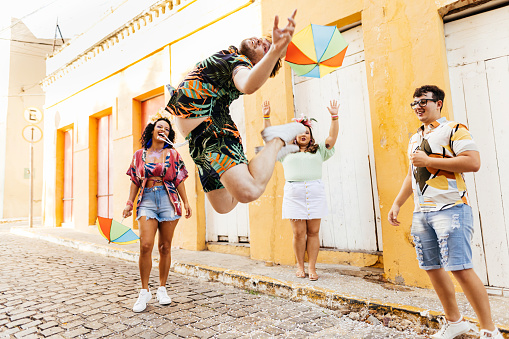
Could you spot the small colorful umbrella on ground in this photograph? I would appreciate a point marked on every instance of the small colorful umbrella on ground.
(115, 232)
(316, 51)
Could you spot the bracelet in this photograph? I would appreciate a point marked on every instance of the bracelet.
(129, 202)
(334, 117)
(266, 118)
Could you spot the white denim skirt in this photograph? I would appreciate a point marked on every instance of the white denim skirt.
(304, 200)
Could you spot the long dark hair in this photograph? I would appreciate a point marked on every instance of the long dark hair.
(146, 137)
(311, 147)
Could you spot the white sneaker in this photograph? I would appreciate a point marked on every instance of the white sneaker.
(141, 303)
(452, 330)
(286, 132)
(285, 150)
(485, 334)
(162, 296)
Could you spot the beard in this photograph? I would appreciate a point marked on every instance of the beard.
(244, 49)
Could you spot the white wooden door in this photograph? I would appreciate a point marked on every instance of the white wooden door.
(353, 222)
(478, 59)
(234, 226)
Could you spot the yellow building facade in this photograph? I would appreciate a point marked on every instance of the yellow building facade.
(116, 71)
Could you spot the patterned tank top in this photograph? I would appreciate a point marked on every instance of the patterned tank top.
(154, 169)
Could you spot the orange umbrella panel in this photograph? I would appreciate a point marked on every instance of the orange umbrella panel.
(316, 51)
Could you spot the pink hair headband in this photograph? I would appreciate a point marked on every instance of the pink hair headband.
(304, 120)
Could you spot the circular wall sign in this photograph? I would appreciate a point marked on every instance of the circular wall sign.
(33, 115)
(32, 133)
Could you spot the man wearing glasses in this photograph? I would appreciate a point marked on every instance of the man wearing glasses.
(442, 223)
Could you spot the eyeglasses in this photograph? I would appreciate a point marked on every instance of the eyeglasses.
(421, 102)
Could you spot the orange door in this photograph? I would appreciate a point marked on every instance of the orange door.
(150, 107)
(68, 177)
(104, 168)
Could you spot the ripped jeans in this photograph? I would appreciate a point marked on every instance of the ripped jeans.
(156, 204)
(443, 238)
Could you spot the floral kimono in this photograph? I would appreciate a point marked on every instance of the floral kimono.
(174, 173)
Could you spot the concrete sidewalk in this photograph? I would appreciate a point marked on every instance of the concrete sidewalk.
(348, 289)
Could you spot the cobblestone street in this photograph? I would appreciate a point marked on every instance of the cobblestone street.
(49, 291)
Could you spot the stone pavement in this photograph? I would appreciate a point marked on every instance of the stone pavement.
(334, 290)
(50, 291)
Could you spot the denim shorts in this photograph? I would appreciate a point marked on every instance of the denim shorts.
(443, 238)
(155, 204)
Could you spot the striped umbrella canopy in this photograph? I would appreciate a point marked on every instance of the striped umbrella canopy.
(316, 51)
(115, 232)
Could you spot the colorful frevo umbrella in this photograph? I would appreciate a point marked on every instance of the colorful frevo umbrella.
(316, 51)
(115, 232)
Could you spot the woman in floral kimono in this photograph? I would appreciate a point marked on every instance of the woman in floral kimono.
(158, 173)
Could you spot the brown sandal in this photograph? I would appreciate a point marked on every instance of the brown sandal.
(313, 276)
(300, 274)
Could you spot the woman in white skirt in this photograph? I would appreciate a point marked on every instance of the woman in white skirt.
(304, 201)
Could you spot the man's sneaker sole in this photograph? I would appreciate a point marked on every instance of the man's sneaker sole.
(286, 132)
(453, 330)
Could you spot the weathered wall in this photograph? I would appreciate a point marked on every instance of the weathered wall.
(404, 48)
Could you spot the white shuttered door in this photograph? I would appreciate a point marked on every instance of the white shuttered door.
(234, 226)
(353, 222)
(478, 58)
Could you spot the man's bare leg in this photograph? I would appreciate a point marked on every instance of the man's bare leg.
(477, 296)
(221, 200)
(246, 183)
(444, 289)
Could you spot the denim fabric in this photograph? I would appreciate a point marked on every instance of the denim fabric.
(443, 238)
(156, 204)
(304, 200)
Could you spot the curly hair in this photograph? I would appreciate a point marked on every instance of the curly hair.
(311, 147)
(438, 94)
(146, 137)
